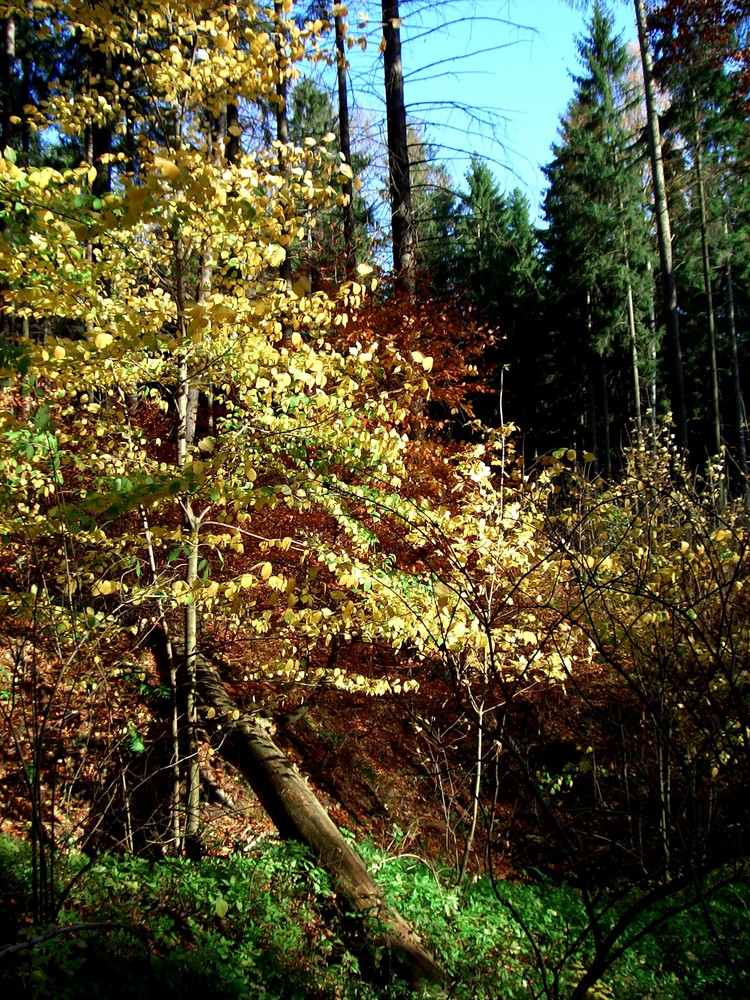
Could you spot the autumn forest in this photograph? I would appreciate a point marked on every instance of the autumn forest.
(374, 617)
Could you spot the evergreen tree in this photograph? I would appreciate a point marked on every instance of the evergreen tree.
(708, 125)
(482, 230)
(435, 206)
(597, 253)
(481, 250)
(312, 115)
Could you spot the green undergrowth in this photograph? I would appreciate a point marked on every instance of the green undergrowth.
(268, 925)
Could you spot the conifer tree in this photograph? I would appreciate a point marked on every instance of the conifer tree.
(706, 121)
(597, 249)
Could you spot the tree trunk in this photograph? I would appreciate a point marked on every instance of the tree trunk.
(634, 363)
(246, 742)
(7, 111)
(185, 695)
(476, 791)
(739, 404)
(402, 215)
(189, 699)
(282, 134)
(707, 287)
(344, 139)
(7, 58)
(664, 229)
(99, 137)
(604, 388)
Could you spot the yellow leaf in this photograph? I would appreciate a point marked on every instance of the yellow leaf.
(167, 169)
(91, 175)
(364, 269)
(103, 340)
(266, 570)
(59, 352)
(246, 580)
(276, 255)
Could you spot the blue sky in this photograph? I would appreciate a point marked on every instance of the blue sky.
(512, 61)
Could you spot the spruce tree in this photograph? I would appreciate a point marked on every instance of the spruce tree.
(597, 254)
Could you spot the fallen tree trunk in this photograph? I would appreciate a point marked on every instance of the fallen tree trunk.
(246, 742)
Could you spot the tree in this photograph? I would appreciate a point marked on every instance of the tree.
(708, 124)
(597, 244)
(435, 213)
(170, 278)
(663, 228)
(337, 238)
(345, 142)
(402, 216)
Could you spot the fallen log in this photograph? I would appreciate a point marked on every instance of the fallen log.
(246, 742)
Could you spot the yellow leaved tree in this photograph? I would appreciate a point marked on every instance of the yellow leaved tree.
(186, 459)
(174, 385)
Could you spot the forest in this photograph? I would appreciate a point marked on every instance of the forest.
(374, 612)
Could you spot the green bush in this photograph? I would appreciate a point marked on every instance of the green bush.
(267, 925)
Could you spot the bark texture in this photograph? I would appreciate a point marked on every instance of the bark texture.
(247, 743)
(663, 227)
(402, 215)
(348, 186)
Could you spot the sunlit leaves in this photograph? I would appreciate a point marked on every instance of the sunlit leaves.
(275, 521)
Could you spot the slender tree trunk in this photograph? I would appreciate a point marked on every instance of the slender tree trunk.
(344, 138)
(652, 393)
(174, 810)
(664, 229)
(739, 404)
(298, 815)
(605, 416)
(7, 58)
(282, 134)
(707, 286)
(634, 363)
(402, 215)
(99, 137)
(631, 324)
(186, 686)
(475, 794)
(189, 700)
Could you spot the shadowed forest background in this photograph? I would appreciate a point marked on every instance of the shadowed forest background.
(373, 563)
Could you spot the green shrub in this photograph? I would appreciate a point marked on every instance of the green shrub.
(267, 925)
